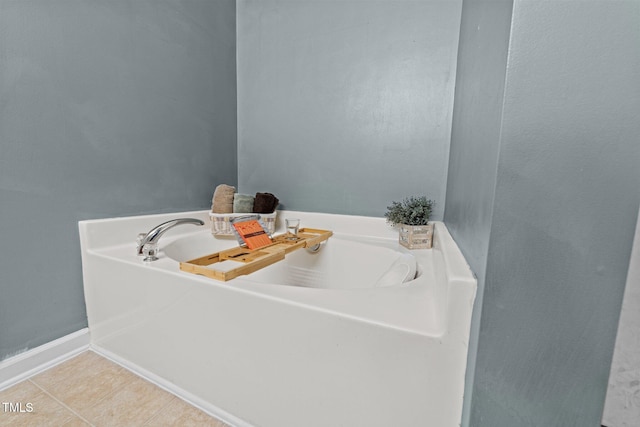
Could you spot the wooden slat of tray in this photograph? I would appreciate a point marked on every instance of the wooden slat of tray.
(265, 259)
(307, 237)
(254, 259)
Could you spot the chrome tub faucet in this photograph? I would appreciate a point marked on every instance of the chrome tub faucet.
(148, 242)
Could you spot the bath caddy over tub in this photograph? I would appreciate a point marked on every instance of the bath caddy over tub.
(231, 263)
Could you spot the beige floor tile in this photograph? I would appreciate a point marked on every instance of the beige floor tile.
(180, 414)
(75, 422)
(83, 364)
(82, 381)
(100, 392)
(46, 411)
(133, 404)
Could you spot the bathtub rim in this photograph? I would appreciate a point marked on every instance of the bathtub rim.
(109, 239)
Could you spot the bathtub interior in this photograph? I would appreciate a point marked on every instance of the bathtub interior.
(342, 262)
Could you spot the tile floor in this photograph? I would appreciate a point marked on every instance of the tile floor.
(90, 390)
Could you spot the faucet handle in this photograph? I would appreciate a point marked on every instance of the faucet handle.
(139, 240)
(150, 250)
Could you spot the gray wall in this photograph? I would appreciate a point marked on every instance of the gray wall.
(565, 206)
(475, 137)
(346, 106)
(622, 405)
(107, 108)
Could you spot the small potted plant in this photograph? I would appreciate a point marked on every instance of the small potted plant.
(412, 218)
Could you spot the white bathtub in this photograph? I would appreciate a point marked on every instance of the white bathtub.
(344, 337)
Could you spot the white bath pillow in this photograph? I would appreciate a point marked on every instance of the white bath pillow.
(401, 271)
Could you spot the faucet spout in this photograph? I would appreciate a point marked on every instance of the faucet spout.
(156, 232)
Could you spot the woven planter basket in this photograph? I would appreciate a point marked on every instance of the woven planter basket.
(416, 236)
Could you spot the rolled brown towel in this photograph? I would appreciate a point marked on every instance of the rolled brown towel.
(265, 203)
(223, 199)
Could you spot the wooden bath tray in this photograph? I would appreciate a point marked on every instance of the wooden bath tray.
(246, 261)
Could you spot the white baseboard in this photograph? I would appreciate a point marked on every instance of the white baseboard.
(31, 362)
(188, 397)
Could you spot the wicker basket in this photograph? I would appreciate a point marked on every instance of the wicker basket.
(220, 225)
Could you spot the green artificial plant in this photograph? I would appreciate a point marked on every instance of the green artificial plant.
(411, 211)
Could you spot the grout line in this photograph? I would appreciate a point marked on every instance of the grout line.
(93, 402)
(63, 404)
(122, 370)
(162, 387)
(98, 402)
(160, 411)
